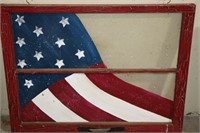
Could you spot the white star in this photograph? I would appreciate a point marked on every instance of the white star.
(38, 31)
(64, 21)
(20, 20)
(20, 41)
(38, 55)
(59, 63)
(21, 63)
(80, 54)
(28, 83)
(60, 42)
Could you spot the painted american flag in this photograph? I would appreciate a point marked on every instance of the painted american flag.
(53, 40)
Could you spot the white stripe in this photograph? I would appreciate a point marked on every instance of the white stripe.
(52, 107)
(109, 103)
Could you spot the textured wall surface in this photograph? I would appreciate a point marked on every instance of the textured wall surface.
(193, 87)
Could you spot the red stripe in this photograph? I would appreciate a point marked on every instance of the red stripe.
(132, 94)
(108, 83)
(31, 113)
(70, 98)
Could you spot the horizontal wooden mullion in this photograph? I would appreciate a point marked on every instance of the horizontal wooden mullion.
(93, 70)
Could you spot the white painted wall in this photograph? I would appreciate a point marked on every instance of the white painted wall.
(193, 90)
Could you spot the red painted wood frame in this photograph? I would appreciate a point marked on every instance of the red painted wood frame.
(188, 12)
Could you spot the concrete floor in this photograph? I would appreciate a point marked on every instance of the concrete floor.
(191, 124)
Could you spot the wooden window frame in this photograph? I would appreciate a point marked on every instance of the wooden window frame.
(188, 12)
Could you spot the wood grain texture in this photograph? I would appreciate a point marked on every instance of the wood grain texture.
(188, 11)
(183, 65)
(161, 8)
(11, 80)
(128, 127)
(92, 70)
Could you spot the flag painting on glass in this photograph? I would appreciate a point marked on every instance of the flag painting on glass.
(45, 41)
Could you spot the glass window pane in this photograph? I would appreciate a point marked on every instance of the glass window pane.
(97, 97)
(135, 40)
